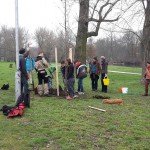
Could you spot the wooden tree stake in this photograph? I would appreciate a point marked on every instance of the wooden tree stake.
(97, 108)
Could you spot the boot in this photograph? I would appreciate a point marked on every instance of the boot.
(50, 91)
(40, 90)
(46, 89)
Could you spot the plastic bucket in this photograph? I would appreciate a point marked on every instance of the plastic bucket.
(106, 81)
(124, 90)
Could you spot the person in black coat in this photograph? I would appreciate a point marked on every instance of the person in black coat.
(24, 77)
(70, 79)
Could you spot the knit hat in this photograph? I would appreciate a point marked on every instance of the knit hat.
(102, 57)
(22, 51)
(68, 60)
(78, 63)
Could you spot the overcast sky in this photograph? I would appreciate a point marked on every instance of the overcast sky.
(42, 13)
(33, 13)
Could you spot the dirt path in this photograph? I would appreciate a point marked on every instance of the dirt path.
(124, 72)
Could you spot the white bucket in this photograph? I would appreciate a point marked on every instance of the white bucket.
(124, 90)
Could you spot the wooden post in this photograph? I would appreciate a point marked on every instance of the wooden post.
(57, 80)
(97, 109)
(70, 54)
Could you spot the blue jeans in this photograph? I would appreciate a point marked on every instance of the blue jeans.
(50, 83)
(80, 85)
(70, 85)
(24, 90)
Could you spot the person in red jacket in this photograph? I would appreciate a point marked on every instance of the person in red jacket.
(147, 78)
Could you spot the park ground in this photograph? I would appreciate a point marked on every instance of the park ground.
(58, 124)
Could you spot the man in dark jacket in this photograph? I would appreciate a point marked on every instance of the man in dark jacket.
(94, 73)
(104, 70)
(70, 79)
(24, 77)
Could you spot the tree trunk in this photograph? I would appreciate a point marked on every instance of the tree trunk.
(81, 40)
(146, 35)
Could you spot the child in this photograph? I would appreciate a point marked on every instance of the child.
(147, 78)
(51, 70)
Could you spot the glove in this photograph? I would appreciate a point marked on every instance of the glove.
(27, 77)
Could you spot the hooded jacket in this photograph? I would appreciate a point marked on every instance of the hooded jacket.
(40, 63)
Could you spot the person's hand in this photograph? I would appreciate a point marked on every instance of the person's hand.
(27, 77)
(105, 75)
(28, 49)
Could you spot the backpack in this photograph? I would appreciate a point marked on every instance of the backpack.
(15, 111)
(82, 71)
(6, 109)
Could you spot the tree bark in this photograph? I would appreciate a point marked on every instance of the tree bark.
(146, 35)
(81, 40)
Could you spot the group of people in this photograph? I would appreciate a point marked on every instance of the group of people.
(69, 71)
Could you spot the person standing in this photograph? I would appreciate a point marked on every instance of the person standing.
(24, 77)
(94, 73)
(147, 78)
(104, 71)
(63, 69)
(40, 66)
(81, 73)
(70, 79)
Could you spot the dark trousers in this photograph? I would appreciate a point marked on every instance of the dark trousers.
(25, 91)
(104, 87)
(70, 85)
(42, 76)
(147, 82)
(80, 85)
(94, 79)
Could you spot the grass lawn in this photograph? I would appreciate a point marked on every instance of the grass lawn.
(57, 124)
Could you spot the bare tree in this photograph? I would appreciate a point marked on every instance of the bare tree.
(146, 32)
(46, 41)
(100, 13)
(7, 41)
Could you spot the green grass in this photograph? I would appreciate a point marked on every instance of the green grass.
(57, 124)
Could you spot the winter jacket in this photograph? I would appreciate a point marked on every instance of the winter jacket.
(22, 65)
(104, 66)
(98, 69)
(81, 71)
(147, 72)
(40, 63)
(51, 70)
(70, 71)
